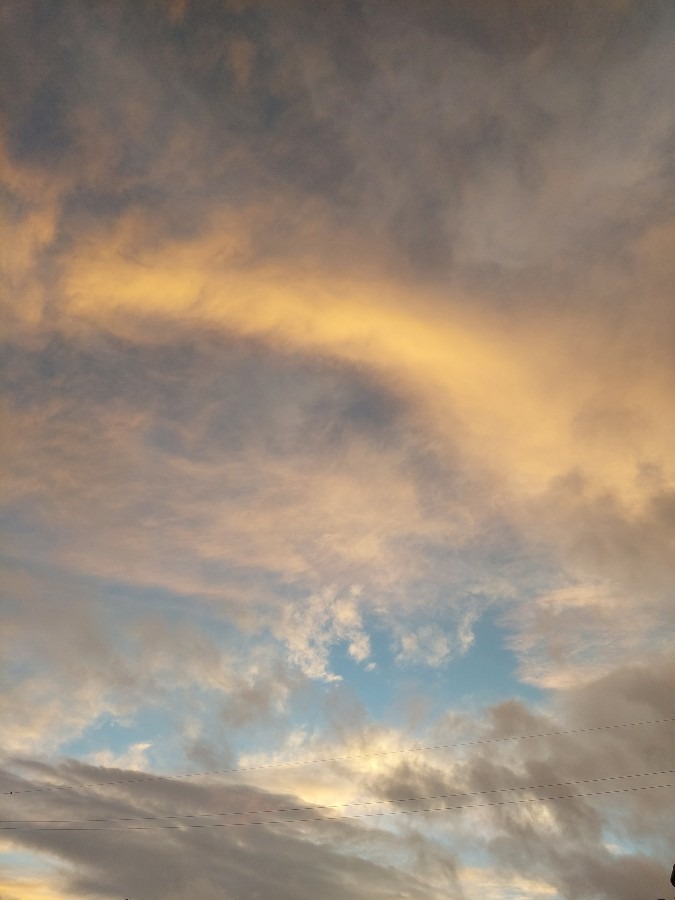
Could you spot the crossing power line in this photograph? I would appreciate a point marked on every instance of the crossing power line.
(331, 759)
(368, 815)
(360, 803)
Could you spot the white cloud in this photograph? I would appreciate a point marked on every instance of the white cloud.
(311, 628)
(134, 757)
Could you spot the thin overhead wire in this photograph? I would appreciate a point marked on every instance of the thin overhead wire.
(331, 759)
(391, 812)
(359, 803)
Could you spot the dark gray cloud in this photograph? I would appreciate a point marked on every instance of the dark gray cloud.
(470, 141)
(579, 846)
(244, 390)
(335, 858)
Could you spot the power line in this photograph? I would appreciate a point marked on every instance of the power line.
(329, 759)
(394, 812)
(315, 806)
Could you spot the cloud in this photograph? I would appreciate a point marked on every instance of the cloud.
(27, 889)
(526, 846)
(579, 633)
(298, 860)
(616, 606)
(310, 628)
(134, 758)
(331, 327)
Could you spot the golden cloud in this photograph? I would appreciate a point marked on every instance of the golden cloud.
(535, 399)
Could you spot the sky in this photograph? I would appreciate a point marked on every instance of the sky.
(338, 422)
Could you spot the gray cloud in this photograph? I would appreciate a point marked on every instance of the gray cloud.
(180, 443)
(456, 138)
(290, 861)
(578, 846)
(203, 506)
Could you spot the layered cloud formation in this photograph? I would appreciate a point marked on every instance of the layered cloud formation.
(338, 420)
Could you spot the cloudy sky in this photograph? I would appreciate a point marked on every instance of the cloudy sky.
(338, 425)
